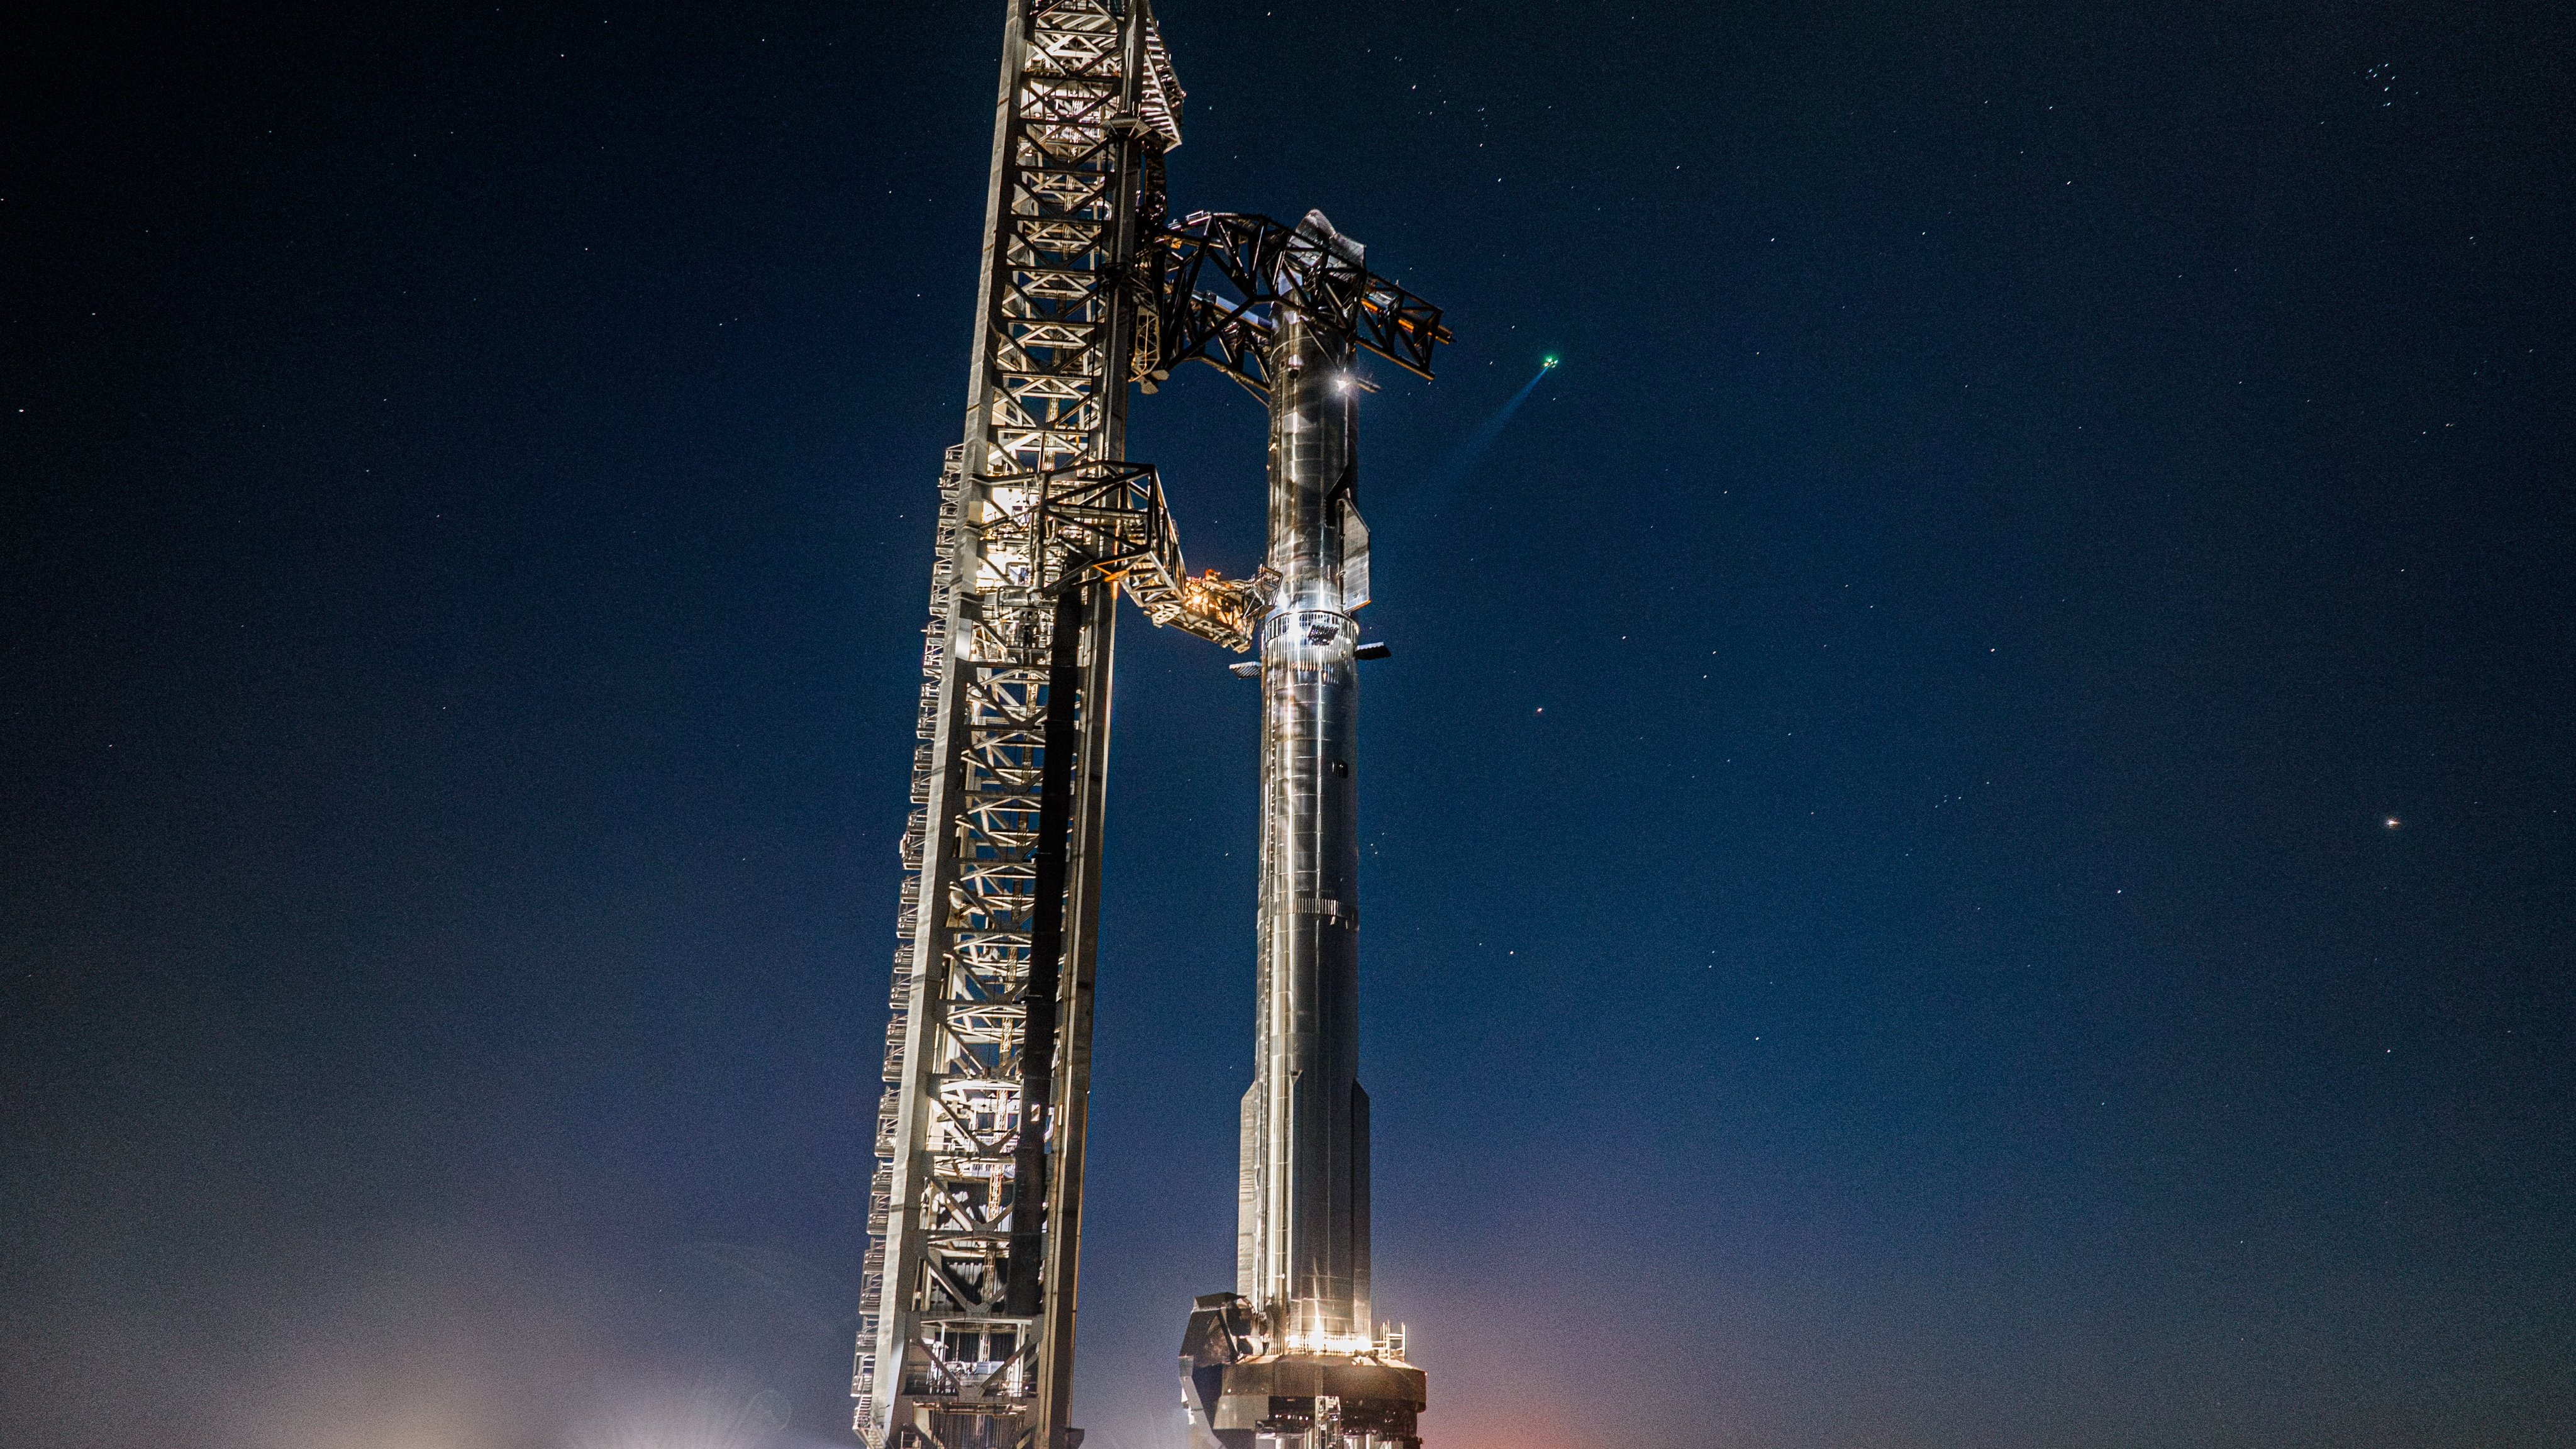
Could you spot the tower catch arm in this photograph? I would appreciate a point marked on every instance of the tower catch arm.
(1107, 518)
(1261, 264)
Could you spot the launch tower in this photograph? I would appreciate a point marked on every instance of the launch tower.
(970, 1282)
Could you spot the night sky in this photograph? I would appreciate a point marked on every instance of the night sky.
(1971, 834)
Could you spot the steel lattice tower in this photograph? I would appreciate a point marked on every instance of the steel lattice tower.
(967, 1309)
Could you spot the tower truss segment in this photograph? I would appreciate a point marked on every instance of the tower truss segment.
(970, 1280)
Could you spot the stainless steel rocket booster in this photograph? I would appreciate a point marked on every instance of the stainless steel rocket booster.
(1292, 1357)
(1302, 1244)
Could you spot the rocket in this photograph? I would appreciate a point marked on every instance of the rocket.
(1291, 1359)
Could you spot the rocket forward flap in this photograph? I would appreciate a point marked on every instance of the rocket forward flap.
(1355, 555)
(1319, 226)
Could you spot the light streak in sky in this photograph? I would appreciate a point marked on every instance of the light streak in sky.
(1479, 442)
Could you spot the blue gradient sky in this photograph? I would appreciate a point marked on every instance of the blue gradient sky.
(1882, 923)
